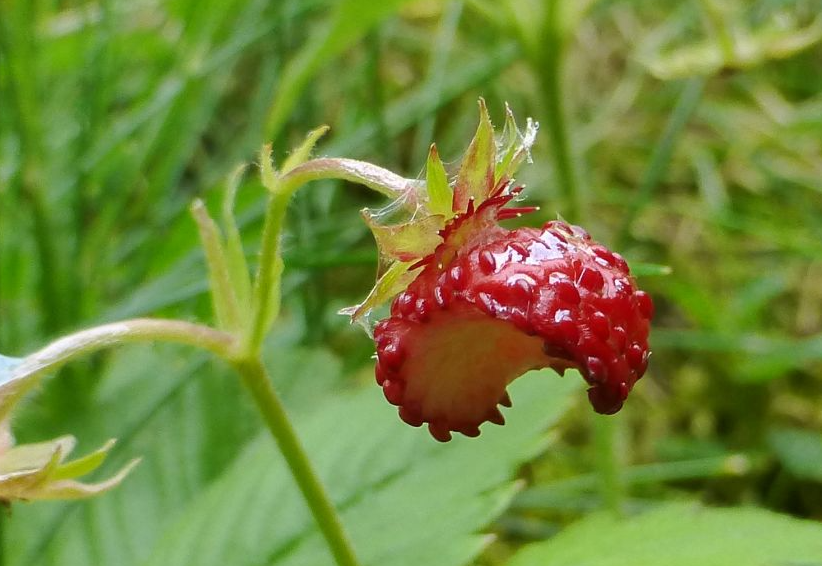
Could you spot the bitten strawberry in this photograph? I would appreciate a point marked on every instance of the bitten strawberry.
(479, 305)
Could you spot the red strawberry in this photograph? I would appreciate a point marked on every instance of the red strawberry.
(502, 302)
(484, 304)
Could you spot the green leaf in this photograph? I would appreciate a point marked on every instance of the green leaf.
(235, 254)
(800, 451)
(188, 419)
(436, 183)
(682, 534)
(475, 179)
(405, 499)
(85, 464)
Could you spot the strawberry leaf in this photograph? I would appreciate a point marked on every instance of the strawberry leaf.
(681, 534)
(428, 501)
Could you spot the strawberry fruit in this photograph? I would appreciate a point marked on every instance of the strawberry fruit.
(477, 305)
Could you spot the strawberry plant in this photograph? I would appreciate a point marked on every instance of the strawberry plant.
(181, 388)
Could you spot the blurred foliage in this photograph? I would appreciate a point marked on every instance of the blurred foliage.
(687, 134)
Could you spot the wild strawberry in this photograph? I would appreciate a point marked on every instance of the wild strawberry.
(479, 305)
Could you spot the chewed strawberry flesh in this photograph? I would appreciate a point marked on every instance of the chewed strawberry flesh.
(491, 304)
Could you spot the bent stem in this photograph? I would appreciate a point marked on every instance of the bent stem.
(90, 340)
(258, 383)
(282, 187)
(27, 374)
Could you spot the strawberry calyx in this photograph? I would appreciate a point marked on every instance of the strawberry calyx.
(475, 305)
(482, 183)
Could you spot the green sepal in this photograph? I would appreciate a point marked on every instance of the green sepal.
(235, 255)
(475, 179)
(223, 296)
(268, 175)
(85, 464)
(395, 279)
(37, 471)
(303, 152)
(440, 196)
(408, 241)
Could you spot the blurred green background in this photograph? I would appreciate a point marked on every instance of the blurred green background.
(686, 135)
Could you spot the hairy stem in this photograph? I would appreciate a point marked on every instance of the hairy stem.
(91, 340)
(258, 383)
(26, 375)
(381, 180)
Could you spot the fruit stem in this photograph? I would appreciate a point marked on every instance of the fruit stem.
(606, 440)
(258, 383)
(281, 187)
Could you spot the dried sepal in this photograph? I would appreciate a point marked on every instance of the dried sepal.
(513, 146)
(39, 471)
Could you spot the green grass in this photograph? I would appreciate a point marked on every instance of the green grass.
(114, 115)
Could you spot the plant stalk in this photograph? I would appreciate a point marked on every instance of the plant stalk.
(255, 377)
(27, 374)
(91, 340)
